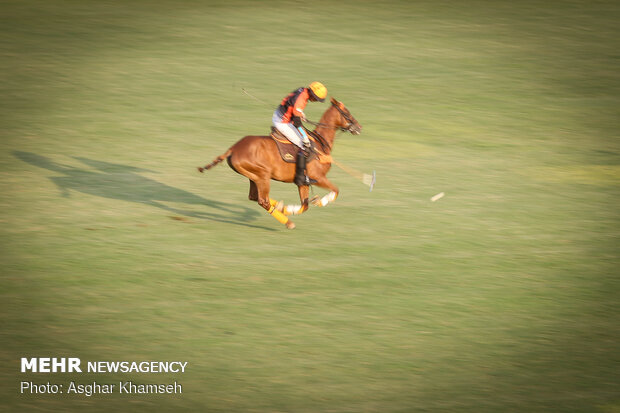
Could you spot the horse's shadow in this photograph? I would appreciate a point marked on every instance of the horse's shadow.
(123, 182)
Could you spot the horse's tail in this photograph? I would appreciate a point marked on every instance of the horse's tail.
(216, 160)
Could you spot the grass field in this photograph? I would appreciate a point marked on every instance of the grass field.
(503, 296)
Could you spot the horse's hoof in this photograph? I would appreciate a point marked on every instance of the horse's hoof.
(290, 225)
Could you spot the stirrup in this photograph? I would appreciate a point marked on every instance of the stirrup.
(305, 181)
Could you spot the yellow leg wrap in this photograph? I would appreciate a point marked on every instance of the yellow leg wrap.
(278, 215)
(276, 204)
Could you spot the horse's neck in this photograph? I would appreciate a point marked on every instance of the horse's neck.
(327, 128)
(327, 135)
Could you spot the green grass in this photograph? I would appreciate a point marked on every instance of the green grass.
(500, 297)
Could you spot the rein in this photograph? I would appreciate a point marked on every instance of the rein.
(321, 140)
(342, 128)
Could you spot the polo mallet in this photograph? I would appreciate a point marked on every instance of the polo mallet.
(254, 97)
(365, 178)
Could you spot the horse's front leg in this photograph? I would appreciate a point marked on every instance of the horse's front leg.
(330, 197)
(298, 209)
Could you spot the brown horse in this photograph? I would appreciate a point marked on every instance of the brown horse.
(258, 159)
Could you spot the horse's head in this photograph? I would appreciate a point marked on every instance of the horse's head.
(346, 122)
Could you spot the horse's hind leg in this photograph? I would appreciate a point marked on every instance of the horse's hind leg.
(270, 205)
(253, 195)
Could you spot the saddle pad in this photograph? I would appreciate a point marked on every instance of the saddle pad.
(288, 151)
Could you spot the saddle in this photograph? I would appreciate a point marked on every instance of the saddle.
(289, 151)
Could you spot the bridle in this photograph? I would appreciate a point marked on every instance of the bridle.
(346, 117)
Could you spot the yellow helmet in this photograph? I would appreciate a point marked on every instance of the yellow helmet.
(319, 91)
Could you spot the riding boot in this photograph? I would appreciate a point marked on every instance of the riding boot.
(300, 170)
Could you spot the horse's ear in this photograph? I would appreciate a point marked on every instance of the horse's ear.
(334, 101)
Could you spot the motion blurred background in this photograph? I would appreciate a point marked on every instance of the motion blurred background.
(501, 296)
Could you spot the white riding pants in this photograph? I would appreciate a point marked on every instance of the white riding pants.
(288, 129)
